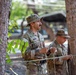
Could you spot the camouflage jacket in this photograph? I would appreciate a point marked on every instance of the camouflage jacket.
(36, 42)
(58, 66)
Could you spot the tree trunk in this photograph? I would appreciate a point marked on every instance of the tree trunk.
(4, 14)
(71, 22)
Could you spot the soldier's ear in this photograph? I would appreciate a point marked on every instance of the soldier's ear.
(32, 24)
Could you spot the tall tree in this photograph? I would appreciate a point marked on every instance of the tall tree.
(4, 15)
(71, 22)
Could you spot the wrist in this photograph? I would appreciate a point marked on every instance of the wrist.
(48, 53)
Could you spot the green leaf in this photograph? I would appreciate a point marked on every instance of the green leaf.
(8, 60)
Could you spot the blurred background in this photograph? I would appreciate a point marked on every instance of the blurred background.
(53, 17)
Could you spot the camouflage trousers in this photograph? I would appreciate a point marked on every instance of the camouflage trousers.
(56, 69)
(35, 68)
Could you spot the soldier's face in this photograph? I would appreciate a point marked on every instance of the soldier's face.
(62, 39)
(38, 25)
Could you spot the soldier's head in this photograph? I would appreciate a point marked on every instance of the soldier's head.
(61, 36)
(34, 21)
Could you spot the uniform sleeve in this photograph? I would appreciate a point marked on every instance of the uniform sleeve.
(49, 47)
(25, 37)
(58, 61)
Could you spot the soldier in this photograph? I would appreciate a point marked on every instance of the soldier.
(36, 49)
(59, 66)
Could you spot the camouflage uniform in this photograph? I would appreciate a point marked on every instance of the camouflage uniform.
(36, 42)
(58, 66)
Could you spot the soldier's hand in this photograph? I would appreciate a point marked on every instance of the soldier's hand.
(67, 57)
(43, 50)
(53, 50)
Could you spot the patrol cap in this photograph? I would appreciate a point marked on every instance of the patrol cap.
(61, 32)
(32, 18)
